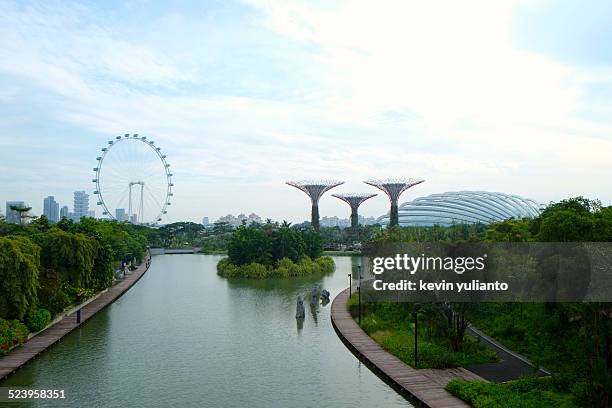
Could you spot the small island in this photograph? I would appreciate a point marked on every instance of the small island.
(274, 251)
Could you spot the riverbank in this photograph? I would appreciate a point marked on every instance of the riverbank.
(46, 338)
(426, 386)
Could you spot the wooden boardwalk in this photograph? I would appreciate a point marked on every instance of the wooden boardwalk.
(422, 386)
(37, 344)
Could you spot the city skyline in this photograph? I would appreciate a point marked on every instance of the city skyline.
(276, 90)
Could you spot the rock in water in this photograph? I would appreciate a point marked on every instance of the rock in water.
(299, 311)
(325, 295)
(314, 296)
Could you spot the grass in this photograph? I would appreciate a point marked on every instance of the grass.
(394, 331)
(527, 392)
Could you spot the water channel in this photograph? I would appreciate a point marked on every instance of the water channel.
(185, 337)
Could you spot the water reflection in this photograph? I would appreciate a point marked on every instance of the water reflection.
(183, 336)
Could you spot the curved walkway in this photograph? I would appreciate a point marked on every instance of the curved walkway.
(510, 365)
(37, 344)
(424, 385)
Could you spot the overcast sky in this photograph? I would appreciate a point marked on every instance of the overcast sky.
(242, 96)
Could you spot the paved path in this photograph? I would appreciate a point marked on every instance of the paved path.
(509, 366)
(37, 344)
(424, 386)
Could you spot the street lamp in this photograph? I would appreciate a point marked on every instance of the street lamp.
(350, 284)
(359, 291)
(416, 343)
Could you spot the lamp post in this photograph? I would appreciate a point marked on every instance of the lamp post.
(359, 296)
(359, 291)
(350, 284)
(416, 344)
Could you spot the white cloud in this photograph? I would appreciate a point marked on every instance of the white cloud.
(428, 89)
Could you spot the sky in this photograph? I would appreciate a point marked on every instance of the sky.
(512, 96)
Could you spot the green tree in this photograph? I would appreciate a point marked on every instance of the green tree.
(249, 244)
(19, 268)
(72, 255)
(510, 231)
(287, 243)
(314, 243)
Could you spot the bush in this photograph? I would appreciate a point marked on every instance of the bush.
(523, 393)
(12, 333)
(38, 319)
(285, 267)
(391, 326)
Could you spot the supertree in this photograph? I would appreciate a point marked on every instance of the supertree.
(315, 189)
(394, 188)
(354, 200)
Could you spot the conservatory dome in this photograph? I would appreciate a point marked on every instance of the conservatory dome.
(463, 207)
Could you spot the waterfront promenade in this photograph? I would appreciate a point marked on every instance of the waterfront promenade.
(43, 340)
(424, 386)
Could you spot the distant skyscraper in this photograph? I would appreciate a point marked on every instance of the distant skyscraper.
(81, 205)
(120, 214)
(12, 216)
(134, 218)
(205, 222)
(64, 212)
(51, 209)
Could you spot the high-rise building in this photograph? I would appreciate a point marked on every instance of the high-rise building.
(64, 212)
(13, 216)
(134, 218)
(81, 205)
(205, 222)
(91, 213)
(120, 214)
(51, 209)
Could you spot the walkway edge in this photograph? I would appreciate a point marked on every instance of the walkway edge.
(52, 334)
(424, 387)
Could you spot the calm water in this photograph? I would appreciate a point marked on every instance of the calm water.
(184, 337)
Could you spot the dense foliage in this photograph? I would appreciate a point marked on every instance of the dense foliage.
(38, 319)
(19, 266)
(273, 250)
(522, 393)
(285, 268)
(189, 234)
(392, 326)
(573, 340)
(45, 268)
(269, 243)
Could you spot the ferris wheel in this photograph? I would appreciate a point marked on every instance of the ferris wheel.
(133, 180)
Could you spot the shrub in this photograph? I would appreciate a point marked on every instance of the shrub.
(38, 319)
(523, 393)
(19, 268)
(12, 333)
(285, 267)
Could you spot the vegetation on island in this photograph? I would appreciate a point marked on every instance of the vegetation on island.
(572, 340)
(46, 268)
(273, 250)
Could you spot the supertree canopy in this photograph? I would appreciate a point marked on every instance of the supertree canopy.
(354, 200)
(394, 188)
(315, 189)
